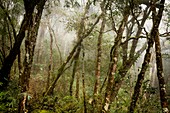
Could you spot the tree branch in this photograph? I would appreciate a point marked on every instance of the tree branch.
(9, 18)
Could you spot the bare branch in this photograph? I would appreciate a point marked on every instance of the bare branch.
(132, 38)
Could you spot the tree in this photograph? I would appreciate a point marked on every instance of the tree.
(98, 61)
(30, 43)
(129, 60)
(154, 37)
(157, 18)
(9, 34)
(114, 54)
(25, 26)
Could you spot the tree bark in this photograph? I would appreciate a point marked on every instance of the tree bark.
(99, 53)
(162, 87)
(8, 61)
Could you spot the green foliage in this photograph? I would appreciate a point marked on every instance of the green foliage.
(8, 100)
(122, 101)
(69, 104)
(42, 111)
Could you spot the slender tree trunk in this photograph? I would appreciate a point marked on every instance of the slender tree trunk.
(80, 33)
(113, 63)
(160, 75)
(76, 60)
(142, 72)
(140, 27)
(98, 62)
(51, 60)
(77, 86)
(39, 46)
(83, 84)
(61, 69)
(157, 18)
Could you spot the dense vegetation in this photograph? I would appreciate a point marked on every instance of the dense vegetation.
(84, 56)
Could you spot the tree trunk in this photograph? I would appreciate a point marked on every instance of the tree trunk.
(142, 72)
(99, 52)
(30, 43)
(113, 63)
(51, 60)
(157, 18)
(160, 75)
(132, 57)
(77, 86)
(76, 58)
(8, 61)
(154, 36)
(98, 62)
(83, 84)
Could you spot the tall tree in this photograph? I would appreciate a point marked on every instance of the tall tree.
(51, 58)
(157, 19)
(133, 56)
(114, 54)
(99, 55)
(80, 33)
(83, 83)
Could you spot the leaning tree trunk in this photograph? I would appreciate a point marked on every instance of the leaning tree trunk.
(80, 33)
(142, 72)
(30, 43)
